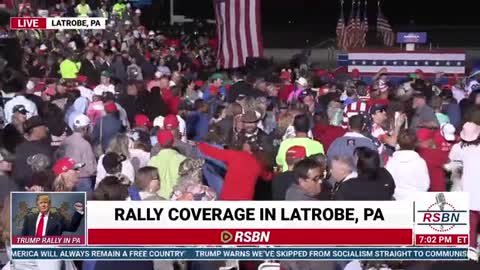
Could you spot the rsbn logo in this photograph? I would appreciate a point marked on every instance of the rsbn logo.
(441, 216)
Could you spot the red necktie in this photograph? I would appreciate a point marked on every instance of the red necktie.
(40, 226)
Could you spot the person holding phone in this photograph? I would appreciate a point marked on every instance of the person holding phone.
(382, 137)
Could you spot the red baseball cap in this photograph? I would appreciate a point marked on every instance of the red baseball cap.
(39, 87)
(164, 137)
(65, 164)
(425, 134)
(110, 107)
(285, 75)
(419, 73)
(355, 73)
(141, 120)
(170, 122)
(321, 72)
(296, 152)
(50, 91)
(81, 78)
(199, 83)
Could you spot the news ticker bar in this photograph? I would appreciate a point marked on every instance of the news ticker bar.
(241, 253)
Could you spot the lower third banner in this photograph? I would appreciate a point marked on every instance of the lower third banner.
(241, 253)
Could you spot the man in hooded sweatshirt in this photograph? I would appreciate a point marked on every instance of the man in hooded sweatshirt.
(345, 146)
(78, 147)
(409, 170)
(434, 157)
(79, 107)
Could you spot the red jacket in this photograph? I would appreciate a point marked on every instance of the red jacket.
(326, 134)
(285, 92)
(243, 170)
(173, 104)
(435, 159)
(383, 102)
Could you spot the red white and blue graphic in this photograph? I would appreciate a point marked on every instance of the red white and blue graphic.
(399, 62)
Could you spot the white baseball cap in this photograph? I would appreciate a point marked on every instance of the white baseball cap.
(81, 120)
(448, 132)
(158, 121)
(302, 82)
(30, 85)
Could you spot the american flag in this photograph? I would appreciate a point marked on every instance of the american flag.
(238, 31)
(384, 29)
(353, 109)
(358, 28)
(340, 30)
(349, 38)
(364, 26)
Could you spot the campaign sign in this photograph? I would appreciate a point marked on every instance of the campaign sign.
(412, 37)
(48, 218)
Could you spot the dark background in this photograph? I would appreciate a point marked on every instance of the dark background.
(290, 23)
(325, 12)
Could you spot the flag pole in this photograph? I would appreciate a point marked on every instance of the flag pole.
(172, 10)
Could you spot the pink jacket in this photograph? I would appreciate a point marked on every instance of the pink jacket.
(95, 111)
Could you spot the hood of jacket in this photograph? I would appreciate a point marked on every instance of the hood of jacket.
(406, 156)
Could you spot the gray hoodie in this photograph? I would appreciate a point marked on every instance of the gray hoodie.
(346, 145)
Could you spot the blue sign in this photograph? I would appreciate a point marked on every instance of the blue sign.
(413, 37)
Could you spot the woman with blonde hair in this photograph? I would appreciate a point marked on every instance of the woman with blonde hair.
(147, 184)
(118, 145)
(66, 174)
(139, 148)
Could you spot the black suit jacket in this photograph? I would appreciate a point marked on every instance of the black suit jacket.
(92, 72)
(363, 188)
(56, 224)
(243, 88)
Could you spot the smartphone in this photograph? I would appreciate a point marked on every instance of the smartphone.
(397, 114)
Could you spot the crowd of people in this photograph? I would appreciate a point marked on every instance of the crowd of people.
(128, 113)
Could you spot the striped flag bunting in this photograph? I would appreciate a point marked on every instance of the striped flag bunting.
(238, 31)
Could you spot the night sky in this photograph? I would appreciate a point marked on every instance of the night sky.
(305, 23)
(325, 12)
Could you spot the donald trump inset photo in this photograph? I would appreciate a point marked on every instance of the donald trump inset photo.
(50, 223)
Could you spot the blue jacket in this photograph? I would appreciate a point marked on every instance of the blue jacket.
(111, 126)
(197, 125)
(207, 95)
(454, 114)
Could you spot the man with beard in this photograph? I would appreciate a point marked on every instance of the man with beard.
(78, 147)
(13, 132)
(36, 134)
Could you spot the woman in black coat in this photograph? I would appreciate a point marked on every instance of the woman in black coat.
(373, 183)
